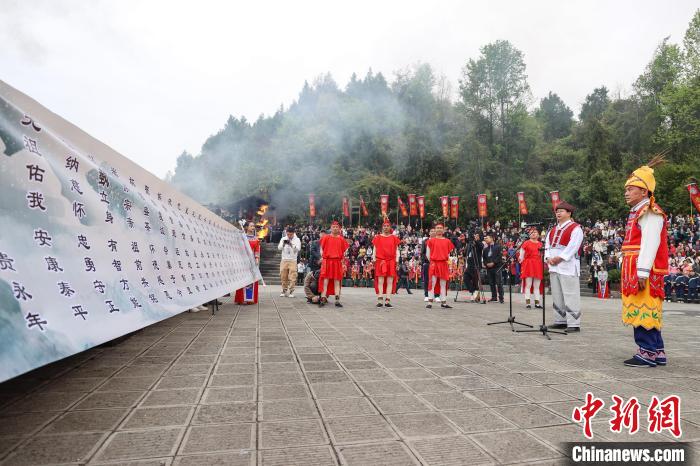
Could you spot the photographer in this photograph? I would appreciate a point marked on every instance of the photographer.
(290, 245)
(311, 287)
(472, 257)
(493, 260)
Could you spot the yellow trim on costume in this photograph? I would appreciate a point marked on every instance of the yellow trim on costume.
(642, 310)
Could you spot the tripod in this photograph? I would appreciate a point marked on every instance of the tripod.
(472, 252)
(511, 318)
(543, 327)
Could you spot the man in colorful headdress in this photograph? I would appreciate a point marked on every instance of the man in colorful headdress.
(385, 256)
(561, 252)
(333, 249)
(644, 265)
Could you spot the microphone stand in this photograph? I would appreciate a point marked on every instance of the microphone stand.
(543, 327)
(511, 318)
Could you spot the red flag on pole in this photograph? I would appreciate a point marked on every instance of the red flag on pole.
(384, 203)
(454, 207)
(445, 203)
(346, 207)
(554, 195)
(522, 205)
(481, 205)
(312, 205)
(694, 195)
(402, 206)
(413, 208)
(363, 208)
(421, 206)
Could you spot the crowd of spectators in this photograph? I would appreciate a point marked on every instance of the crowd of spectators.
(601, 251)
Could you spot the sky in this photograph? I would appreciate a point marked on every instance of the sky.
(152, 78)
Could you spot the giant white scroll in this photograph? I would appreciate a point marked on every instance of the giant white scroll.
(92, 246)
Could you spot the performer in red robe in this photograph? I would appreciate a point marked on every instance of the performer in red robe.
(385, 257)
(333, 249)
(531, 270)
(249, 294)
(438, 253)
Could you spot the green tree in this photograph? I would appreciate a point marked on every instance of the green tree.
(555, 116)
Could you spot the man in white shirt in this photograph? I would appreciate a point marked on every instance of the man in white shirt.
(562, 255)
(290, 245)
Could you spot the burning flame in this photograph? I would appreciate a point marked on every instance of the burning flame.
(262, 224)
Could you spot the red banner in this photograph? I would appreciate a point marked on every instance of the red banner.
(312, 205)
(445, 203)
(522, 205)
(402, 206)
(363, 208)
(346, 207)
(454, 207)
(384, 203)
(554, 195)
(421, 206)
(412, 207)
(694, 195)
(481, 205)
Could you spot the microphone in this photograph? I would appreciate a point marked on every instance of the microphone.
(534, 224)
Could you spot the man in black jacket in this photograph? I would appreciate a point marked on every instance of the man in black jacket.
(472, 270)
(493, 260)
(425, 264)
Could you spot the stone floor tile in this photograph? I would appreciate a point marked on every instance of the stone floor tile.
(338, 407)
(183, 381)
(400, 404)
(307, 456)
(183, 396)
(528, 416)
(236, 368)
(311, 366)
(281, 378)
(451, 401)
(418, 425)
(335, 390)
(215, 438)
(359, 429)
(232, 380)
(104, 400)
(428, 386)
(385, 454)
(46, 401)
(451, 451)
(120, 384)
(221, 413)
(291, 434)
(142, 418)
(283, 392)
(384, 387)
(514, 446)
(497, 397)
(56, 448)
(129, 445)
(87, 421)
(236, 458)
(478, 420)
(276, 410)
(541, 394)
(228, 394)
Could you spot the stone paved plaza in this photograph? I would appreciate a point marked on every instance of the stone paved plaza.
(285, 383)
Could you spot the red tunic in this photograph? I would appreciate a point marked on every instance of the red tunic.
(333, 248)
(385, 248)
(630, 251)
(531, 266)
(440, 249)
(249, 294)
